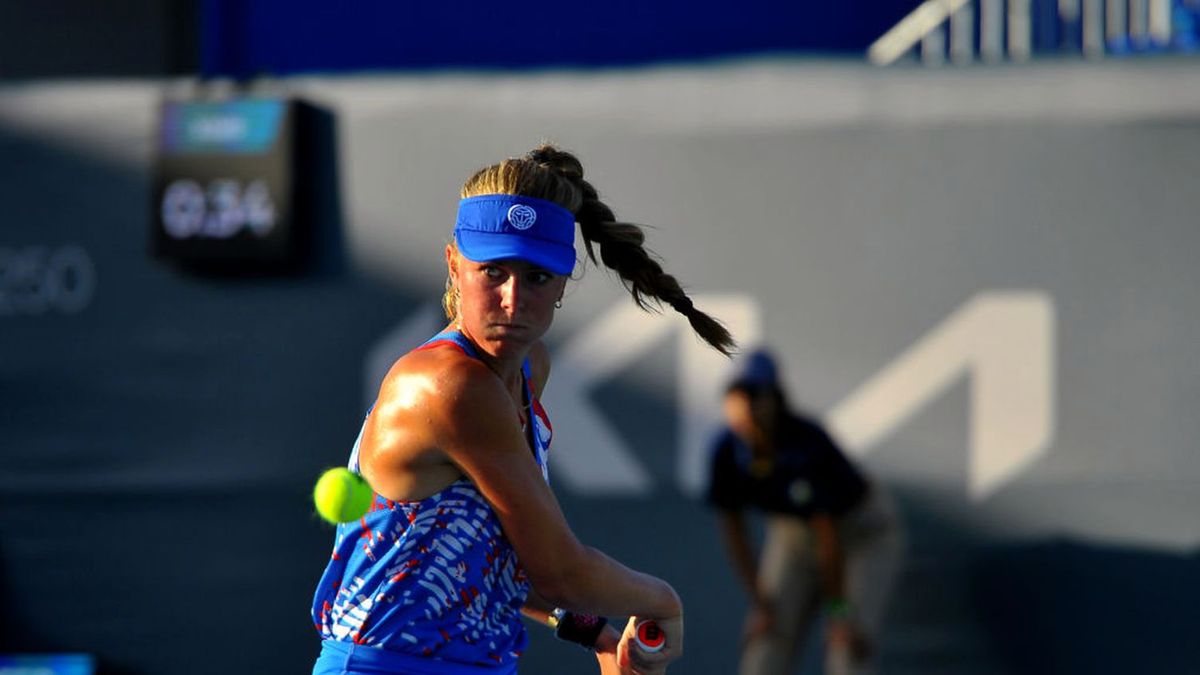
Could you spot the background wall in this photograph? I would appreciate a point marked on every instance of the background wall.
(160, 431)
(275, 37)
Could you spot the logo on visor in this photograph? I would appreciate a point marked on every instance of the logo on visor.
(521, 216)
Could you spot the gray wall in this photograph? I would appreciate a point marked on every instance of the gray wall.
(982, 279)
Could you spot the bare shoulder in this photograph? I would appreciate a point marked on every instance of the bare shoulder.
(433, 383)
(423, 399)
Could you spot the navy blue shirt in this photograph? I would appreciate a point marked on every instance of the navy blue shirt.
(807, 474)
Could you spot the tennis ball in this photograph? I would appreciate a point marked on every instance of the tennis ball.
(342, 496)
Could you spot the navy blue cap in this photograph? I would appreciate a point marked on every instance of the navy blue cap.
(500, 227)
(758, 371)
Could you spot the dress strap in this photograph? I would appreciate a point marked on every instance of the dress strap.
(538, 426)
(454, 337)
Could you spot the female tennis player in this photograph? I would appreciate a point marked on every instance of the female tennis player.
(464, 533)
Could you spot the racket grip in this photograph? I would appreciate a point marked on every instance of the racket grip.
(650, 638)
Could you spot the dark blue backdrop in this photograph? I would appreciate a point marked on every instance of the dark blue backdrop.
(287, 36)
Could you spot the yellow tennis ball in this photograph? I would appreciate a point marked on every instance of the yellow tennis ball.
(342, 496)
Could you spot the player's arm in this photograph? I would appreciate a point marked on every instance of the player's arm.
(727, 494)
(539, 609)
(473, 419)
(831, 557)
(841, 632)
(831, 469)
(736, 538)
(761, 618)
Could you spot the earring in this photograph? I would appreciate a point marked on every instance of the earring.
(558, 304)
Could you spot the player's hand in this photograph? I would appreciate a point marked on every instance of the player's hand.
(606, 651)
(844, 637)
(760, 622)
(634, 660)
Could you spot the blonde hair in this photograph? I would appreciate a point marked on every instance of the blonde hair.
(546, 172)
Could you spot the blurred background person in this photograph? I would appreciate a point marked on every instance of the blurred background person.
(832, 540)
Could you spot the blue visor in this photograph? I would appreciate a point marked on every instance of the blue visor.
(499, 227)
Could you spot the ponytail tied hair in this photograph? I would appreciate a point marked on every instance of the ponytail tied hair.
(683, 305)
(620, 245)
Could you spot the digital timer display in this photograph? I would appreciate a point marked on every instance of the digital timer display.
(224, 194)
(221, 210)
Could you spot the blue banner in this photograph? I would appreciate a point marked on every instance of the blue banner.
(241, 126)
(46, 664)
(276, 37)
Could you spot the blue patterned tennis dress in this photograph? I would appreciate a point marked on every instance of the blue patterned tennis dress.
(429, 586)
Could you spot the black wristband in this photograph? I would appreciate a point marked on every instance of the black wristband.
(582, 629)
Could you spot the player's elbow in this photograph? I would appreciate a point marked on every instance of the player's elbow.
(556, 586)
(554, 590)
(562, 580)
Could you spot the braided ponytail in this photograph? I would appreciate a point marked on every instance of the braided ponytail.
(547, 172)
(621, 249)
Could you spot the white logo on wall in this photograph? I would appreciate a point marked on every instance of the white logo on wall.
(1003, 342)
(521, 216)
(35, 280)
